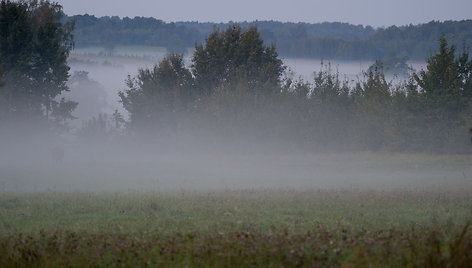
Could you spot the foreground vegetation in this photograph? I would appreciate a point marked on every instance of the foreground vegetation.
(232, 228)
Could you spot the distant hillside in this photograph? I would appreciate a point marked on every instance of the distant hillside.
(322, 40)
(418, 41)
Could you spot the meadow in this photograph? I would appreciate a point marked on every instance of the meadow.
(222, 228)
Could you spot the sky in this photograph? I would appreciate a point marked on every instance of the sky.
(377, 13)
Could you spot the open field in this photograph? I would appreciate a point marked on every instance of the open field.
(239, 209)
(237, 227)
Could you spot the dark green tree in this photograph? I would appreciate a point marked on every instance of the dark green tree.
(155, 96)
(232, 56)
(441, 81)
(445, 93)
(34, 46)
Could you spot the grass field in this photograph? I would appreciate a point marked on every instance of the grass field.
(269, 228)
(232, 210)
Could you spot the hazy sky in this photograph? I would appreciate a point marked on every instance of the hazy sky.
(366, 12)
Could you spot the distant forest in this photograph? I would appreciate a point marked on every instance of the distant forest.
(332, 40)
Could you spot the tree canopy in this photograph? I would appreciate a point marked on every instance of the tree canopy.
(229, 58)
(34, 46)
(159, 93)
(234, 55)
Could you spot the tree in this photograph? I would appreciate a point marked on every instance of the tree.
(62, 112)
(372, 109)
(231, 56)
(34, 46)
(441, 77)
(156, 96)
(109, 49)
(91, 95)
(446, 81)
(95, 129)
(445, 93)
(329, 109)
(393, 65)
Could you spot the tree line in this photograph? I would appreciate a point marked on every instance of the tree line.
(236, 91)
(327, 41)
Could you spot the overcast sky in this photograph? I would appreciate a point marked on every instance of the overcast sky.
(367, 12)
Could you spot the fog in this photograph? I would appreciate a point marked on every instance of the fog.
(33, 159)
(110, 70)
(31, 163)
(351, 70)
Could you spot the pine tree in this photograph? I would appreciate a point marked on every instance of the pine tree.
(445, 94)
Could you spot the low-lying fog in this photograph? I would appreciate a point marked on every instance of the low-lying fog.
(43, 164)
(36, 163)
(110, 70)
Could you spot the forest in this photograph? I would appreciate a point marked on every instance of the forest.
(328, 40)
(244, 97)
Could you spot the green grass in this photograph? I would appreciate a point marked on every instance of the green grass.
(237, 228)
(255, 210)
